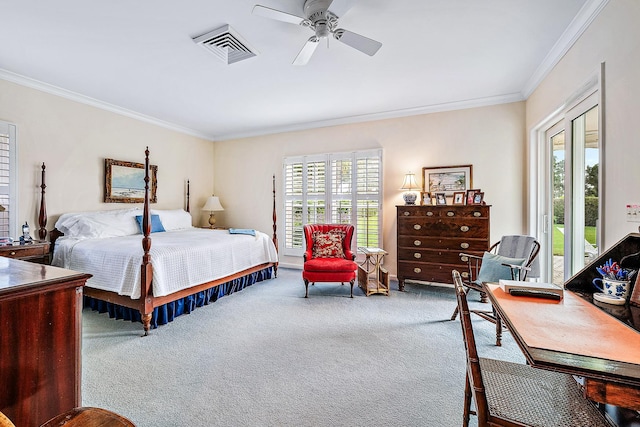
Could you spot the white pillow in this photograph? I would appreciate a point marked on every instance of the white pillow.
(86, 225)
(176, 219)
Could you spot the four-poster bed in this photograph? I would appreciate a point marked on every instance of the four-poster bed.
(192, 266)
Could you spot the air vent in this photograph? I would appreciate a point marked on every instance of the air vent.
(226, 44)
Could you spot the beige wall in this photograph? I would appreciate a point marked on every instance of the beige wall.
(73, 139)
(613, 38)
(490, 138)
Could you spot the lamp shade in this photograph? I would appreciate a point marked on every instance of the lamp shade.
(409, 183)
(212, 204)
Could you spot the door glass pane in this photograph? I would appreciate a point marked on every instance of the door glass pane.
(586, 168)
(558, 214)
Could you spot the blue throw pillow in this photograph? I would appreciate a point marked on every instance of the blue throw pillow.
(156, 224)
(492, 269)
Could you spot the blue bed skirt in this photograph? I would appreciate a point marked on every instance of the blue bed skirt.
(166, 313)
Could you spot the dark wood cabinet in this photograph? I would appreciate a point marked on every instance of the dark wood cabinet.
(40, 340)
(431, 237)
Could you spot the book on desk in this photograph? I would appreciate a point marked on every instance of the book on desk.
(532, 289)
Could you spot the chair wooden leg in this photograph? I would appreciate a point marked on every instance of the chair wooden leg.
(467, 402)
(306, 288)
(351, 282)
(455, 314)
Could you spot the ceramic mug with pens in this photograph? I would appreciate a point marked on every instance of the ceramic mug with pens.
(619, 288)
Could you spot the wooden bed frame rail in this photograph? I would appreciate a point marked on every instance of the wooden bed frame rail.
(147, 301)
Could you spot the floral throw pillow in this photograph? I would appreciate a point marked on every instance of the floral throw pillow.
(327, 245)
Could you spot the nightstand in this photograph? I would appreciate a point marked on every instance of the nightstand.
(36, 252)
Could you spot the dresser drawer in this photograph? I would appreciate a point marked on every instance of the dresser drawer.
(428, 272)
(463, 227)
(451, 243)
(433, 255)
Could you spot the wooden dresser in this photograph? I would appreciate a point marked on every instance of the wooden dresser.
(40, 340)
(430, 239)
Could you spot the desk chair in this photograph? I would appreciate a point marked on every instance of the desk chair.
(513, 394)
(327, 255)
(512, 258)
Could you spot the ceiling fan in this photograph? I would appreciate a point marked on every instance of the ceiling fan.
(323, 22)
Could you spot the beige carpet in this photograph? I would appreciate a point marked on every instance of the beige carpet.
(266, 356)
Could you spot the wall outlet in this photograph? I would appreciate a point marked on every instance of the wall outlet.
(633, 212)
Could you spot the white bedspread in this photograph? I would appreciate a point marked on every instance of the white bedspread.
(180, 259)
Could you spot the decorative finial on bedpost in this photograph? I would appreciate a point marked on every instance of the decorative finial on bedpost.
(275, 226)
(188, 200)
(42, 218)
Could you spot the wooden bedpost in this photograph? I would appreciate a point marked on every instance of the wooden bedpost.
(188, 201)
(146, 304)
(42, 217)
(275, 226)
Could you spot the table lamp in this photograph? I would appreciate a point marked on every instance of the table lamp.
(212, 205)
(410, 186)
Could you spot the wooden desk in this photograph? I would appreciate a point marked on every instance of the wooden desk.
(40, 340)
(578, 338)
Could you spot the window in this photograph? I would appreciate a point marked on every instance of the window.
(342, 188)
(8, 199)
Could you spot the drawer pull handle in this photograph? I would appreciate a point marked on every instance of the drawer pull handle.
(417, 242)
(451, 213)
(417, 255)
(464, 228)
(406, 213)
(464, 274)
(417, 270)
(417, 227)
(464, 245)
(464, 258)
(13, 253)
(477, 214)
(429, 213)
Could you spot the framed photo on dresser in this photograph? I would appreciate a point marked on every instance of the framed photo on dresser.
(446, 179)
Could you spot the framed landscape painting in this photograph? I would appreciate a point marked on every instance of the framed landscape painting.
(446, 179)
(124, 182)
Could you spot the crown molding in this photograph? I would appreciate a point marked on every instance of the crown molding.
(589, 11)
(406, 112)
(83, 99)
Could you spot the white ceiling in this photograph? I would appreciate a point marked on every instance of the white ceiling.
(137, 57)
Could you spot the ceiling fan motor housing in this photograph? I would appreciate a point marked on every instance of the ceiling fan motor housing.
(323, 22)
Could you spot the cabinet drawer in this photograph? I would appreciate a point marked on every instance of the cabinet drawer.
(431, 255)
(463, 227)
(418, 211)
(451, 243)
(23, 251)
(428, 272)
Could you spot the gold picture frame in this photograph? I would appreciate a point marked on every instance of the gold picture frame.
(124, 182)
(447, 179)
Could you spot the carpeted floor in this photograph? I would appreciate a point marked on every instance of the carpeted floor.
(266, 356)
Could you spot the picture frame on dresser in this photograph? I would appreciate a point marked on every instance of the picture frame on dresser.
(478, 198)
(459, 197)
(425, 198)
(441, 199)
(470, 194)
(447, 179)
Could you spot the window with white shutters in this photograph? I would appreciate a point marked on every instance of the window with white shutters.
(8, 199)
(342, 188)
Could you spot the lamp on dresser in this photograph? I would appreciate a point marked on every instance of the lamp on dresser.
(212, 205)
(410, 186)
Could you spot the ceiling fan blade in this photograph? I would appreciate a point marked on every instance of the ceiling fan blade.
(307, 51)
(278, 15)
(356, 41)
(340, 7)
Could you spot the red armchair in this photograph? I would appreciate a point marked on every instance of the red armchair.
(328, 256)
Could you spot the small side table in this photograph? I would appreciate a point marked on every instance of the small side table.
(372, 278)
(36, 252)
